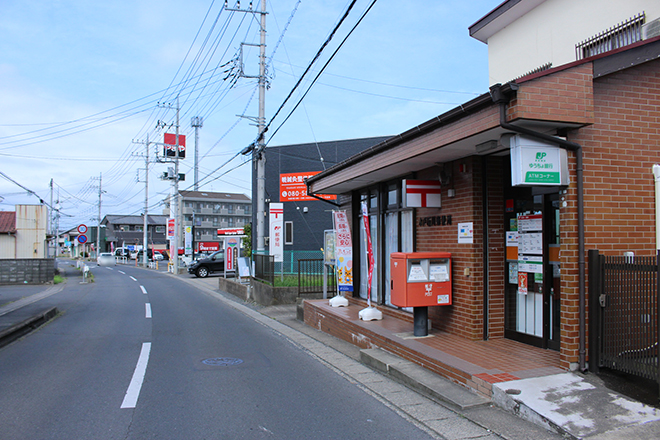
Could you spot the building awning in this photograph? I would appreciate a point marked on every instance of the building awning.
(467, 130)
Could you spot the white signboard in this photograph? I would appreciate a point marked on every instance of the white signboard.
(276, 223)
(465, 233)
(188, 241)
(536, 163)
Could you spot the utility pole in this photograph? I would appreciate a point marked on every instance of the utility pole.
(50, 220)
(258, 156)
(196, 122)
(98, 224)
(177, 223)
(145, 242)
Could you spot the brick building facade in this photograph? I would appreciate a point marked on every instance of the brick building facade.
(603, 111)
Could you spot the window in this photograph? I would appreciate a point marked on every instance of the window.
(623, 34)
(139, 228)
(188, 204)
(160, 229)
(246, 209)
(216, 208)
(231, 222)
(230, 209)
(216, 221)
(288, 232)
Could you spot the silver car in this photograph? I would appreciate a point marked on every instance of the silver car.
(106, 259)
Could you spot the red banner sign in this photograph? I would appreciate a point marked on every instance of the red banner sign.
(293, 188)
(169, 139)
(207, 246)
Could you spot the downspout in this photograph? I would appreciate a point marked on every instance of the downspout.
(500, 98)
(485, 253)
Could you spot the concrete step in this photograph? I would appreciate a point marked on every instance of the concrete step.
(421, 380)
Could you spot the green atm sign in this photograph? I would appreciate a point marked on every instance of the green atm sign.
(535, 163)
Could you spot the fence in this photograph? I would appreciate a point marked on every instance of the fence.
(310, 277)
(264, 267)
(623, 318)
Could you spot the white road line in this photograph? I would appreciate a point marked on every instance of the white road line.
(143, 290)
(133, 391)
(147, 308)
(133, 279)
(121, 272)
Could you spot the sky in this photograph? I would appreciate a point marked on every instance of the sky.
(84, 84)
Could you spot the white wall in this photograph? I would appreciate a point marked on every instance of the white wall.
(549, 33)
(31, 225)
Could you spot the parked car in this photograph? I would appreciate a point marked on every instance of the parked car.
(122, 252)
(106, 259)
(213, 263)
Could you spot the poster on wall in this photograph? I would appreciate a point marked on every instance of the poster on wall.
(343, 251)
(466, 233)
(276, 223)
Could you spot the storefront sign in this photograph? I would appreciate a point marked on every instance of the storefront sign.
(276, 240)
(169, 139)
(421, 193)
(293, 188)
(208, 246)
(171, 224)
(344, 252)
(438, 220)
(231, 253)
(231, 231)
(535, 163)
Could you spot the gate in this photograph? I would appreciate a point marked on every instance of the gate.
(623, 314)
(310, 277)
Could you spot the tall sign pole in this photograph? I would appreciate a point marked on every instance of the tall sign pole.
(175, 201)
(98, 225)
(197, 123)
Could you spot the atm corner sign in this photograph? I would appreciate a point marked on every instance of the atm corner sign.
(535, 163)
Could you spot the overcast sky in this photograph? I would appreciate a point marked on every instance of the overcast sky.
(81, 81)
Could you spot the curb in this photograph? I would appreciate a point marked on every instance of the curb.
(9, 335)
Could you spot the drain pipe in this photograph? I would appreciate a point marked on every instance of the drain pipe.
(500, 98)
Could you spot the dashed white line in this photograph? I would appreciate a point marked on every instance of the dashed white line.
(133, 391)
(121, 272)
(133, 279)
(143, 290)
(147, 308)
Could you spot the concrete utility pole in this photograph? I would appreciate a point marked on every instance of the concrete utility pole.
(98, 224)
(196, 122)
(258, 156)
(145, 237)
(175, 201)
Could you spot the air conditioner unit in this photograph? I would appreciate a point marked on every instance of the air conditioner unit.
(651, 29)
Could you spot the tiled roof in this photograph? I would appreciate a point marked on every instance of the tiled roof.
(7, 222)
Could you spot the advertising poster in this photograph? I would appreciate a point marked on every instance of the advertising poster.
(344, 252)
(188, 241)
(231, 253)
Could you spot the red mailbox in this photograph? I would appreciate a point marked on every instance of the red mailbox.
(420, 279)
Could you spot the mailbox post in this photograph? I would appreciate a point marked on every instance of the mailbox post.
(420, 280)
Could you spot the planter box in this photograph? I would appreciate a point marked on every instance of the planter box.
(259, 293)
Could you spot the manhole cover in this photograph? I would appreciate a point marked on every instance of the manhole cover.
(222, 362)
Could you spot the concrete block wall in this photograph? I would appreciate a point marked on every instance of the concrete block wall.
(27, 271)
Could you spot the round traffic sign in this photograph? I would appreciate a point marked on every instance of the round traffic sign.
(82, 239)
(82, 229)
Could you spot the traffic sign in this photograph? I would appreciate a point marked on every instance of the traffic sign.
(82, 229)
(82, 239)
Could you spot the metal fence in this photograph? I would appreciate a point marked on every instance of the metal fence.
(264, 267)
(623, 318)
(310, 277)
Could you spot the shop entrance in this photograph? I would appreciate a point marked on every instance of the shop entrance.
(533, 295)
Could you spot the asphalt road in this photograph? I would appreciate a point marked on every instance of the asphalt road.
(140, 354)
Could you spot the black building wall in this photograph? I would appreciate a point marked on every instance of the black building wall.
(308, 226)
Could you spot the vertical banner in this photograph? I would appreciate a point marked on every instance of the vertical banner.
(231, 253)
(188, 241)
(370, 251)
(276, 223)
(344, 252)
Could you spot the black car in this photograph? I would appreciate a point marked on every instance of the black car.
(213, 263)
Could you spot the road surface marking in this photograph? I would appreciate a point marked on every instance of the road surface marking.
(133, 279)
(143, 290)
(133, 391)
(123, 273)
(147, 308)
